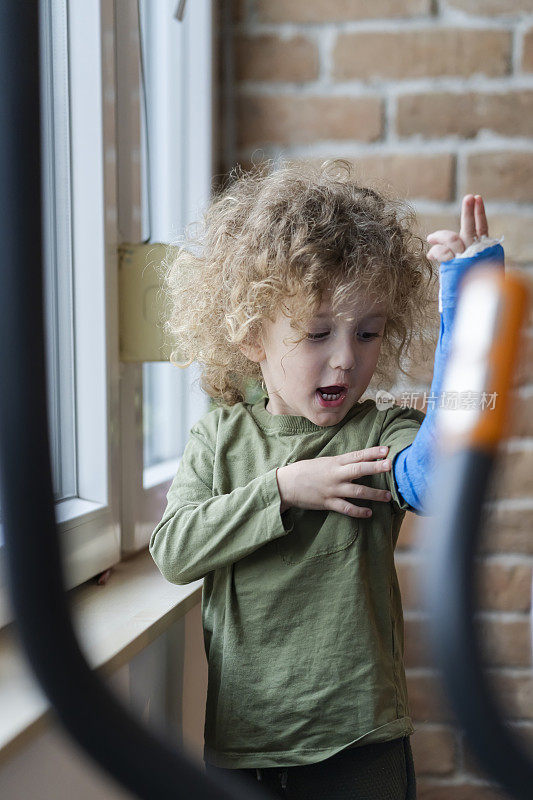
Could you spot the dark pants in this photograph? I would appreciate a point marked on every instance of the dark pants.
(379, 771)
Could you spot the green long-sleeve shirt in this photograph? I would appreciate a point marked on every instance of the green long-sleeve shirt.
(301, 611)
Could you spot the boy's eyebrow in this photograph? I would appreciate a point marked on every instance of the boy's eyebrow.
(323, 314)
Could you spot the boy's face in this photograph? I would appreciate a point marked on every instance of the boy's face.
(344, 352)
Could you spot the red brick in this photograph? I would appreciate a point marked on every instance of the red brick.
(503, 175)
(492, 8)
(270, 58)
(408, 175)
(503, 587)
(435, 114)
(434, 750)
(524, 375)
(302, 119)
(338, 10)
(407, 535)
(417, 645)
(516, 228)
(423, 53)
(505, 643)
(427, 702)
(520, 421)
(508, 531)
(457, 791)
(527, 51)
(512, 474)
(408, 572)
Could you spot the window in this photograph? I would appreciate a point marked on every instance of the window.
(116, 430)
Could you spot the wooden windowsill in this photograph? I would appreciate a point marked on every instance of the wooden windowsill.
(113, 622)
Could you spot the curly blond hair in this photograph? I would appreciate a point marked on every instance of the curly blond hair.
(283, 236)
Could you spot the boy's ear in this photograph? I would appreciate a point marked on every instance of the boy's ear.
(254, 352)
(253, 348)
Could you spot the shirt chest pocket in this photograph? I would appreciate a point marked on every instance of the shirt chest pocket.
(316, 534)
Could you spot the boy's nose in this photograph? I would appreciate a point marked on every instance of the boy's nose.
(343, 357)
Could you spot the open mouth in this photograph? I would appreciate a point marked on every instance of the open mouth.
(330, 396)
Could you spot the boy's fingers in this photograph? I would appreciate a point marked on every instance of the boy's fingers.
(362, 492)
(450, 239)
(360, 468)
(440, 253)
(482, 226)
(362, 455)
(437, 237)
(468, 224)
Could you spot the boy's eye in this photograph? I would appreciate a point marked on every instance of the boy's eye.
(365, 335)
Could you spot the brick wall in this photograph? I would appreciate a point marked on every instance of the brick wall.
(435, 98)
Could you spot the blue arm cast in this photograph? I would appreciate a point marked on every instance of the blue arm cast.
(413, 465)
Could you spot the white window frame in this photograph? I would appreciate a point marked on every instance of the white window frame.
(88, 524)
(179, 101)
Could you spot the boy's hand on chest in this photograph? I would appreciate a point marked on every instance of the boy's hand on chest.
(330, 483)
